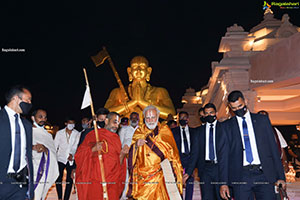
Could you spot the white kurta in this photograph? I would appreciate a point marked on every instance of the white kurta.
(41, 136)
(125, 134)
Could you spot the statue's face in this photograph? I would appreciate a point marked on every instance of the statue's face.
(139, 69)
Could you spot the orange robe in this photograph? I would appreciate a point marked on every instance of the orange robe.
(88, 175)
(146, 180)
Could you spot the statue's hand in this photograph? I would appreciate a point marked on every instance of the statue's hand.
(137, 93)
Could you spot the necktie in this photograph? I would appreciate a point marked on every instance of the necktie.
(249, 156)
(211, 143)
(186, 147)
(17, 153)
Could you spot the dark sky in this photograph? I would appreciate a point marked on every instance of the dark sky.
(179, 38)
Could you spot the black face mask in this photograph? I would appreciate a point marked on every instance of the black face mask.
(295, 140)
(25, 107)
(210, 118)
(101, 124)
(202, 119)
(241, 112)
(182, 122)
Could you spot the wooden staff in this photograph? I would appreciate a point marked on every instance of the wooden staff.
(104, 185)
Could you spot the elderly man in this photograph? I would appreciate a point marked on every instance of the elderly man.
(152, 143)
(45, 167)
(88, 173)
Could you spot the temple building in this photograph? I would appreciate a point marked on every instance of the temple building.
(263, 63)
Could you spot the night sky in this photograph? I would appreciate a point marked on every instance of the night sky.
(179, 38)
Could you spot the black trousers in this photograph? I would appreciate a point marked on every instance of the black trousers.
(189, 189)
(69, 180)
(210, 189)
(254, 184)
(12, 191)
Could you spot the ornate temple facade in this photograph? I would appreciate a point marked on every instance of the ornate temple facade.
(263, 63)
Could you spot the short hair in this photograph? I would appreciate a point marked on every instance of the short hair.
(111, 114)
(183, 112)
(235, 95)
(210, 105)
(15, 90)
(102, 111)
(262, 112)
(134, 113)
(124, 119)
(151, 107)
(36, 110)
(201, 109)
(69, 118)
(171, 122)
(85, 117)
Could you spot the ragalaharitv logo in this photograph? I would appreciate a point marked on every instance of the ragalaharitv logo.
(281, 5)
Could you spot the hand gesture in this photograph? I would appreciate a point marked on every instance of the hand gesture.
(141, 142)
(97, 147)
(224, 192)
(39, 148)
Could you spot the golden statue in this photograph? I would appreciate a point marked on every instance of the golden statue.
(141, 93)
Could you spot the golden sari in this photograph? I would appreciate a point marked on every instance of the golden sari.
(146, 179)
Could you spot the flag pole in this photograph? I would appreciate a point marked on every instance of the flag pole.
(118, 80)
(104, 185)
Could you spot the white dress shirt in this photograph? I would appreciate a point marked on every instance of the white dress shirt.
(126, 133)
(256, 160)
(66, 144)
(207, 128)
(282, 141)
(187, 133)
(12, 119)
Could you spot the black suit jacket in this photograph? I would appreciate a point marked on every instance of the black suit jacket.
(5, 149)
(230, 150)
(177, 137)
(201, 140)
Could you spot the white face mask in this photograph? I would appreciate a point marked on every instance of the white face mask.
(70, 126)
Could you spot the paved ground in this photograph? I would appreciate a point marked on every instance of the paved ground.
(293, 191)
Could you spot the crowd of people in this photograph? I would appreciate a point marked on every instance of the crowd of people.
(242, 157)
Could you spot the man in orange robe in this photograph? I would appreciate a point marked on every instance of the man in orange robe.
(88, 174)
(152, 143)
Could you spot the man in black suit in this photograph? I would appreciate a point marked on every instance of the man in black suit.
(248, 157)
(207, 157)
(16, 171)
(183, 136)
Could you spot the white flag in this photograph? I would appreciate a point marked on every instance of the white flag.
(86, 99)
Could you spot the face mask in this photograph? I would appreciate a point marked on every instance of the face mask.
(70, 126)
(241, 112)
(210, 118)
(182, 122)
(101, 124)
(202, 119)
(25, 107)
(85, 126)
